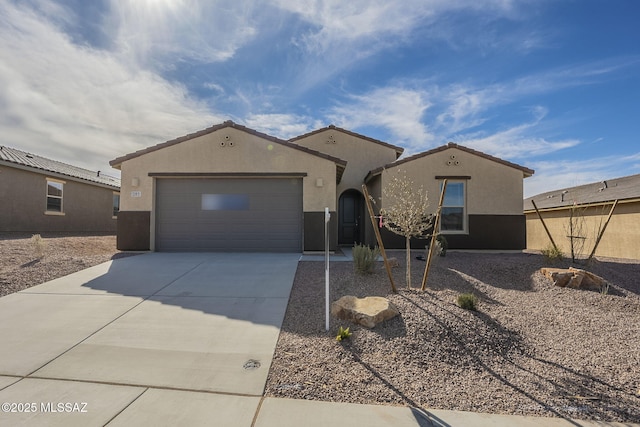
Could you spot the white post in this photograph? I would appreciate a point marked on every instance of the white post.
(327, 217)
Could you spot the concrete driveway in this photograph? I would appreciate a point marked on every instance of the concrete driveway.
(191, 332)
(173, 339)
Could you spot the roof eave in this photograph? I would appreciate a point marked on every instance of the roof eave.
(117, 162)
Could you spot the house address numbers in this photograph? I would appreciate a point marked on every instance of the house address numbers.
(136, 194)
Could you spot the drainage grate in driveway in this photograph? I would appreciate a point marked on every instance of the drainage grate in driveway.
(251, 364)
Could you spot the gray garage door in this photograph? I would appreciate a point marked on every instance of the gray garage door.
(229, 214)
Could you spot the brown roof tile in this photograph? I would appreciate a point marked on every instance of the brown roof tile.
(398, 150)
(527, 172)
(118, 161)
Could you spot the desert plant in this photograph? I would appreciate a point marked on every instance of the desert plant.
(552, 253)
(343, 334)
(364, 258)
(468, 301)
(39, 245)
(576, 230)
(443, 245)
(405, 213)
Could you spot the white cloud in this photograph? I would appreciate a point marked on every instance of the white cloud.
(398, 110)
(282, 126)
(156, 33)
(80, 105)
(562, 173)
(516, 142)
(340, 24)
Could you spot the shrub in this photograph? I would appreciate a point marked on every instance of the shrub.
(443, 244)
(551, 253)
(468, 301)
(364, 258)
(343, 334)
(39, 245)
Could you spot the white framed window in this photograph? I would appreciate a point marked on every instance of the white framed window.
(55, 197)
(116, 204)
(453, 217)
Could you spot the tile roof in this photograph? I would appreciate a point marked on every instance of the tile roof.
(22, 158)
(623, 188)
(399, 150)
(527, 172)
(340, 164)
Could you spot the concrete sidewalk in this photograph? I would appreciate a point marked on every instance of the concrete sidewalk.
(172, 339)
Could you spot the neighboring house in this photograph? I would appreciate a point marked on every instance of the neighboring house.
(590, 206)
(41, 195)
(232, 188)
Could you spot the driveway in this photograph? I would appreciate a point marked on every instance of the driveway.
(136, 335)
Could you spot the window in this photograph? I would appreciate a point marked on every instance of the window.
(116, 204)
(54, 196)
(225, 202)
(453, 218)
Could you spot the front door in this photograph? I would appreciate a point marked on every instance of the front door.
(350, 215)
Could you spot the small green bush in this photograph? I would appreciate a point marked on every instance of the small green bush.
(444, 245)
(364, 258)
(468, 301)
(343, 334)
(551, 253)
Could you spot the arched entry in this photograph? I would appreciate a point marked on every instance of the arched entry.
(350, 218)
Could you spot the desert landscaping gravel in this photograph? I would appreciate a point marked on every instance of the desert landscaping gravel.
(21, 266)
(530, 349)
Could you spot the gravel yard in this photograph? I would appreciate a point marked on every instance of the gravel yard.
(531, 349)
(21, 267)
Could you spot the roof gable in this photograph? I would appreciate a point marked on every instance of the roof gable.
(624, 188)
(43, 164)
(526, 171)
(118, 161)
(398, 150)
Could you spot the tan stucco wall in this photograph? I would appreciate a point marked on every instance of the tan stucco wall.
(87, 208)
(361, 155)
(620, 240)
(493, 189)
(249, 153)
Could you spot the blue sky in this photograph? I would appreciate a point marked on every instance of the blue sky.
(553, 85)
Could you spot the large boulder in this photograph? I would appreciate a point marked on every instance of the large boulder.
(574, 278)
(367, 311)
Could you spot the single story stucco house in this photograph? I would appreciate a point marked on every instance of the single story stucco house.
(232, 188)
(40, 195)
(590, 206)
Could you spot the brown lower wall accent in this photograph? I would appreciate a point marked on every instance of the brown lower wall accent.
(507, 232)
(314, 231)
(133, 231)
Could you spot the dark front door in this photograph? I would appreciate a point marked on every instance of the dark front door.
(350, 215)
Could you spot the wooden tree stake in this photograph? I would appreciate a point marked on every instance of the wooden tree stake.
(432, 244)
(545, 227)
(604, 227)
(378, 237)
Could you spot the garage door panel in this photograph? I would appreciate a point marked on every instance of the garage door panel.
(233, 215)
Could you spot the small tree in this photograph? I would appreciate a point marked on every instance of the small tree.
(405, 212)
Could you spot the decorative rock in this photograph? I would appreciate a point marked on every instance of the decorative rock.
(367, 311)
(393, 262)
(574, 278)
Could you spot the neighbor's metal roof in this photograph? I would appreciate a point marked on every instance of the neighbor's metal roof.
(624, 188)
(22, 158)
